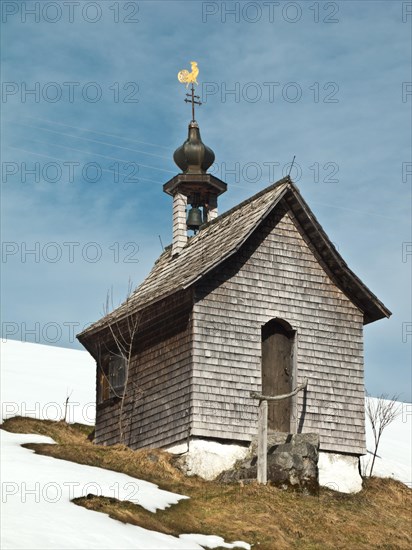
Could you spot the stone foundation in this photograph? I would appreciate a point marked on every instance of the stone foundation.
(291, 463)
(294, 461)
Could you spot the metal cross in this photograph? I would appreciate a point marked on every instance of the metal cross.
(193, 101)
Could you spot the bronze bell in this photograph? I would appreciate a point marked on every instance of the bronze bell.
(194, 218)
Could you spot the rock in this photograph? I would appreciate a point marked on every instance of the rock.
(241, 472)
(283, 459)
(292, 463)
(311, 438)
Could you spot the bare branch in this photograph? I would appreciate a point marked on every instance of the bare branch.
(381, 412)
(123, 335)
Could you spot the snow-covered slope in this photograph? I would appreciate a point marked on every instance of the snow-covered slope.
(37, 379)
(36, 511)
(37, 487)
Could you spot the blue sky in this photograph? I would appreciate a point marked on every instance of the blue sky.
(84, 156)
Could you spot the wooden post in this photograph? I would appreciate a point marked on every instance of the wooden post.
(262, 443)
(262, 450)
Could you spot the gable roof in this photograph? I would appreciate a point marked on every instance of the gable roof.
(219, 239)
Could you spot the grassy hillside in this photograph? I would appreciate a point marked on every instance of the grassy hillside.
(380, 516)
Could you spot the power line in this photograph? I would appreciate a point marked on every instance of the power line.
(99, 155)
(89, 139)
(101, 133)
(65, 160)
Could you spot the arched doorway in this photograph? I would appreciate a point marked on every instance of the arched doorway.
(277, 372)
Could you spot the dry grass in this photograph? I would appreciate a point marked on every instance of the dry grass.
(380, 516)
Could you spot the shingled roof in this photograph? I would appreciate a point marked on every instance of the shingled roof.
(222, 237)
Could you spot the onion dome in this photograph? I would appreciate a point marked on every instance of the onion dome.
(194, 157)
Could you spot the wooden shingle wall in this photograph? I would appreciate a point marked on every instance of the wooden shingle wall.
(275, 274)
(157, 408)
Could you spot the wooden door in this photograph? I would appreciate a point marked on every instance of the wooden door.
(277, 373)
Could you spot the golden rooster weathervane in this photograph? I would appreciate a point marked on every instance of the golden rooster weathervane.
(186, 77)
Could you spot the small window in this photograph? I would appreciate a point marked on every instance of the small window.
(103, 393)
(117, 375)
(112, 377)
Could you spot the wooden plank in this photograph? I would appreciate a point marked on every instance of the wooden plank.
(262, 443)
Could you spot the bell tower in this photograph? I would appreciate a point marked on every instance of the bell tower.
(193, 187)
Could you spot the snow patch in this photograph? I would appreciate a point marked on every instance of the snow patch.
(339, 472)
(208, 459)
(37, 512)
(211, 541)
